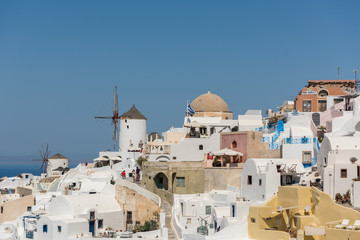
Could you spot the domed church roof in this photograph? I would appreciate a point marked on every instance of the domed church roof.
(209, 102)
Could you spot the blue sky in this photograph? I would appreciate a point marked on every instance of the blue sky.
(59, 62)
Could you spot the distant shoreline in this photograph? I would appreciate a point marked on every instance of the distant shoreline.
(13, 168)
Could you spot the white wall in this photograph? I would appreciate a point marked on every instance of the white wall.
(295, 151)
(188, 149)
(270, 182)
(356, 194)
(134, 130)
(342, 185)
(55, 163)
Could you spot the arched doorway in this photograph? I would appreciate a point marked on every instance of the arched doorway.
(161, 181)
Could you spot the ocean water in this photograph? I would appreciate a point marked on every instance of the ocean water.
(12, 170)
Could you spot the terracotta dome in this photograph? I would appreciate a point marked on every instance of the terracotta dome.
(209, 102)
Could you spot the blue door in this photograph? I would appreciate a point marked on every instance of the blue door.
(92, 227)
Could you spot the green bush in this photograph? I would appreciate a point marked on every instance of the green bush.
(150, 225)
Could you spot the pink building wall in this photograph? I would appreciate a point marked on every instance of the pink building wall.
(241, 142)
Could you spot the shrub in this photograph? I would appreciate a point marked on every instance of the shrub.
(150, 225)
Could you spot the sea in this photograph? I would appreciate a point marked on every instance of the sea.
(12, 170)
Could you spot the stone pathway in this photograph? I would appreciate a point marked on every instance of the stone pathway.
(166, 208)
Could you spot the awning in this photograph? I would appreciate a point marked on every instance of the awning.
(227, 152)
(116, 158)
(193, 124)
(101, 159)
(134, 149)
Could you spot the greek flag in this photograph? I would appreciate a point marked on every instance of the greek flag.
(190, 111)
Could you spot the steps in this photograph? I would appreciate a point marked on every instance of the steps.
(167, 209)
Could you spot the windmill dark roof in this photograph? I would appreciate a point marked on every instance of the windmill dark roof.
(57, 156)
(133, 113)
(59, 169)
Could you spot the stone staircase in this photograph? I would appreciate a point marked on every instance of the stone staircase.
(166, 208)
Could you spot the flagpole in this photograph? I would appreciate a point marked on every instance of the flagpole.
(187, 104)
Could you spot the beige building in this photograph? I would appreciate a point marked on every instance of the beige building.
(302, 213)
(167, 178)
(211, 105)
(138, 204)
(11, 209)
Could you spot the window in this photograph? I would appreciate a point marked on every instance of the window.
(202, 131)
(45, 228)
(289, 179)
(126, 120)
(137, 223)
(260, 182)
(234, 145)
(343, 173)
(29, 208)
(100, 223)
(201, 147)
(2, 209)
(127, 126)
(323, 93)
(208, 210)
(59, 229)
(322, 105)
(174, 158)
(188, 220)
(306, 157)
(180, 181)
(129, 217)
(252, 220)
(249, 180)
(307, 106)
(92, 215)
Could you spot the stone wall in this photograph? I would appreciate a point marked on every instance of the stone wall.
(141, 206)
(181, 178)
(23, 191)
(219, 178)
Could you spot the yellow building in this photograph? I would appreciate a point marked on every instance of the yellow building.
(302, 213)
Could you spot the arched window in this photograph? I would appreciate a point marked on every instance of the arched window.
(234, 144)
(323, 93)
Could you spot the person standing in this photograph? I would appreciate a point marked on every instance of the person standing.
(133, 173)
(137, 174)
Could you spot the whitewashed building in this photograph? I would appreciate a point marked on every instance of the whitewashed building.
(132, 140)
(261, 177)
(57, 165)
(339, 156)
(80, 216)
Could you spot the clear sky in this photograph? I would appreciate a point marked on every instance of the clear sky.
(59, 62)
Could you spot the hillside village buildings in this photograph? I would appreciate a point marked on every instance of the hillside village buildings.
(216, 177)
